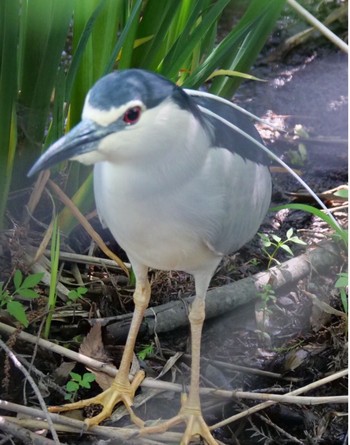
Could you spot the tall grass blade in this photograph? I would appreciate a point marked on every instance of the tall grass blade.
(9, 27)
(239, 48)
(128, 30)
(342, 233)
(55, 256)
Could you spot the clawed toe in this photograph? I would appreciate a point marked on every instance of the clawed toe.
(195, 426)
(117, 393)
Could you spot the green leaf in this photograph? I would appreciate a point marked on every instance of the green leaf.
(342, 281)
(75, 376)
(17, 279)
(265, 239)
(344, 300)
(16, 309)
(189, 38)
(287, 249)
(27, 293)
(276, 238)
(4, 297)
(32, 280)
(145, 352)
(297, 240)
(240, 48)
(343, 193)
(82, 290)
(231, 73)
(289, 233)
(88, 377)
(72, 386)
(74, 294)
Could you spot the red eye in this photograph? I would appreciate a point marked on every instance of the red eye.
(132, 115)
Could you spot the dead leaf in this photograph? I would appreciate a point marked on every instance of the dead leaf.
(93, 347)
(62, 372)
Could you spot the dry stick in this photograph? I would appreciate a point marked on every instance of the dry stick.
(87, 259)
(24, 435)
(85, 223)
(296, 392)
(123, 435)
(161, 385)
(41, 376)
(19, 366)
(240, 368)
(280, 430)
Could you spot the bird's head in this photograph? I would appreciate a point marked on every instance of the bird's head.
(127, 115)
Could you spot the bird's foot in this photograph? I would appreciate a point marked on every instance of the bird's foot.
(195, 426)
(118, 392)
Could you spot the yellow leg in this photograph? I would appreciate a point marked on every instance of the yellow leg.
(190, 411)
(121, 389)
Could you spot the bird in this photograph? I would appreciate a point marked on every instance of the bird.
(178, 189)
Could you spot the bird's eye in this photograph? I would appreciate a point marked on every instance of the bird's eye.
(132, 115)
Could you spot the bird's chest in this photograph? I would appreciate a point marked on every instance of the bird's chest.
(146, 217)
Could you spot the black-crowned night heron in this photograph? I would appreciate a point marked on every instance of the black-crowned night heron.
(178, 190)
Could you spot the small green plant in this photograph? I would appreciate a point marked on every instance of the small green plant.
(24, 287)
(146, 351)
(267, 295)
(342, 285)
(77, 293)
(76, 382)
(254, 262)
(276, 243)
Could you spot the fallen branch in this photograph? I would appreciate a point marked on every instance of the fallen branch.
(221, 300)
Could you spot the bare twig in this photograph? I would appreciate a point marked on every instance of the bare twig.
(318, 25)
(240, 368)
(296, 392)
(280, 430)
(85, 223)
(161, 385)
(88, 259)
(19, 366)
(25, 436)
(124, 436)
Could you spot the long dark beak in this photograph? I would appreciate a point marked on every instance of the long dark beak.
(81, 139)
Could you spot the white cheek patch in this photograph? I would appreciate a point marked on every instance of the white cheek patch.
(90, 158)
(107, 117)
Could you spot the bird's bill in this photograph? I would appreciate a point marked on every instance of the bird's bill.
(81, 139)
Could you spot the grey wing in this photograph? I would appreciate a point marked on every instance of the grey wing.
(224, 136)
(242, 185)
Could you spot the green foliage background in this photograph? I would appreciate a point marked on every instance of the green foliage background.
(52, 51)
